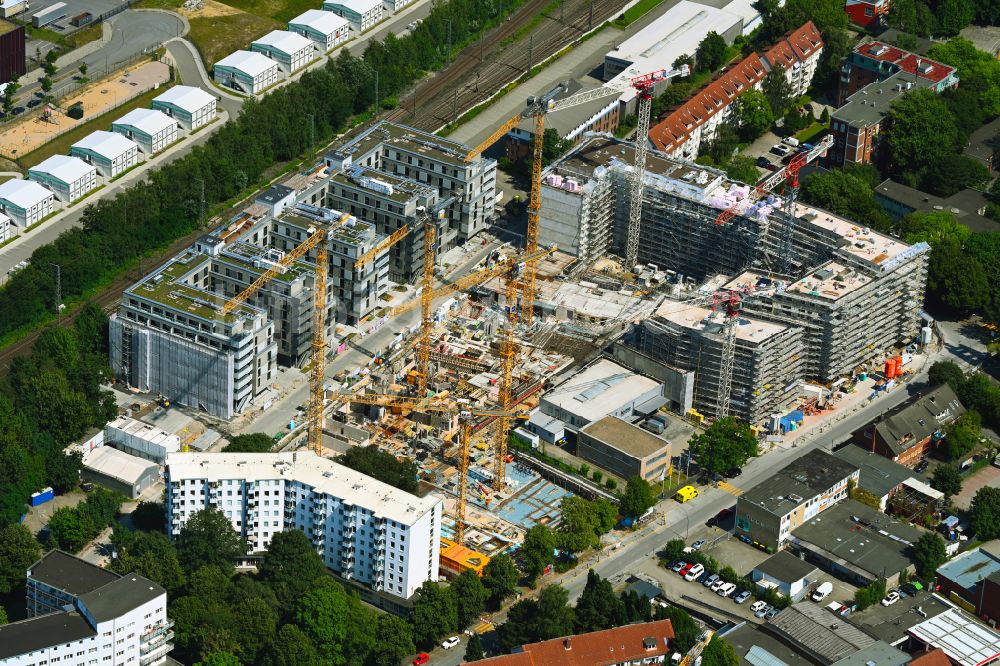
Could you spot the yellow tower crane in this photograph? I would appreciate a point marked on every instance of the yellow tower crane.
(466, 412)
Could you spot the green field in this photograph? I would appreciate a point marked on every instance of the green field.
(218, 36)
(635, 13)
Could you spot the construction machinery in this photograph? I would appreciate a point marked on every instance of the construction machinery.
(317, 376)
(443, 405)
(692, 655)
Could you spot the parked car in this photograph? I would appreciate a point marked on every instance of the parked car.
(727, 590)
(693, 573)
(791, 141)
(763, 611)
(922, 467)
(421, 659)
(684, 571)
(449, 643)
(891, 598)
(780, 149)
(742, 596)
(763, 162)
(711, 580)
(733, 473)
(698, 544)
(769, 615)
(717, 584)
(719, 517)
(678, 566)
(757, 605)
(705, 576)
(823, 591)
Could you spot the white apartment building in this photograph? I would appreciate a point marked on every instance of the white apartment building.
(325, 29)
(290, 50)
(797, 54)
(246, 71)
(87, 616)
(366, 531)
(362, 14)
(69, 178)
(25, 202)
(191, 107)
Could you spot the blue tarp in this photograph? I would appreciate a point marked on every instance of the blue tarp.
(790, 420)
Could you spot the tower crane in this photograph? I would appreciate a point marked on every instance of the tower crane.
(692, 655)
(537, 108)
(466, 413)
(317, 376)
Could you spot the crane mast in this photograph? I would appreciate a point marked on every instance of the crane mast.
(645, 103)
(317, 376)
(426, 303)
(508, 352)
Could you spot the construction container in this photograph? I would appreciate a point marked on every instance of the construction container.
(890, 369)
(898, 361)
(49, 15)
(41, 497)
(81, 19)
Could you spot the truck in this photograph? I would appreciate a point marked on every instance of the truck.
(49, 15)
(823, 591)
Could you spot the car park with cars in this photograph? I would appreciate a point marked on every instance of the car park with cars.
(742, 596)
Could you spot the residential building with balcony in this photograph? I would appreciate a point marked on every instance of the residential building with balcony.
(873, 62)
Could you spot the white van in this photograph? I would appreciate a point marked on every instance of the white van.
(694, 572)
(791, 141)
(823, 591)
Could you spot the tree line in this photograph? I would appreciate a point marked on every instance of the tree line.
(176, 198)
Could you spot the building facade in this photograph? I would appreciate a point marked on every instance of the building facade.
(362, 14)
(13, 55)
(867, 13)
(152, 130)
(111, 153)
(25, 202)
(69, 178)
(247, 72)
(797, 54)
(191, 107)
(972, 581)
(290, 50)
(365, 530)
(621, 448)
(326, 29)
(872, 62)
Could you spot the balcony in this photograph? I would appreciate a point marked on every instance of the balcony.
(158, 656)
(157, 631)
(155, 644)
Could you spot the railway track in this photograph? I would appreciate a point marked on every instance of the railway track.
(486, 66)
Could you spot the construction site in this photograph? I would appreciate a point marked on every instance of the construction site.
(647, 291)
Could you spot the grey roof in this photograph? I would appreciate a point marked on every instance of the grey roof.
(871, 104)
(625, 437)
(858, 536)
(566, 120)
(274, 194)
(798, 481)
(878, 653)
(70, 574)
(891, 36)
(966, 205)
(879, 475)
(919, 418)
(757, 648)
(969, 568)
(983, 141)
(117, 598)
(826, 636)
(43, 631)
(785, 567)
(645, 588)
(890, 623)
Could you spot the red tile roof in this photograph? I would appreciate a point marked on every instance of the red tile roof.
(905, 61)
(935, 657)
(796, 46)
(598, 648)
(720, 93)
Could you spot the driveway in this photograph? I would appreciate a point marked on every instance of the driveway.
(987, 476)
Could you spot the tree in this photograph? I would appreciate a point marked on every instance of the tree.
(218, 658)
(435, 613)
(923, 132)
(290, 565)
(521, 626)
(946, 372)
(474, 650)
(500, 579)
(947, 479)
(846, 192)
(962, 436)
(598, 607)
(71, 529)
(18, 551)
(393, 640)
(870, 595)
(725, 444)
(291, 647)
(954, 173)
(537, 551)
(8, 97)
(778, 91)
(711, 53)
(953, 15)
(912, 16)
(719, 653)
(46, 84)
(3, 616)
(83, 71)
(555, 616)
(929, 554)
(722, 146)
(149, 553)
(580, 525)
(150, 517)
(470, 597)
(553, 146)
(985, 513)
(637, 498)
(257, 442)
(743, 168)
(753, 114)
(209, 538)
(382, 465)
(325, 613)
(686, 630)
(824, 116)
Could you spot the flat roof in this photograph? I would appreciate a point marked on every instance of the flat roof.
(905, 61)
(325, 476)
(861, 242)
(864, 538)
(872, 103)
(70, 574)
(879, 475)
(118, 464)
(148, 121)
(285, 41)
(758, 648)
(878, 653)
(359, 6)
(830, 281)
(106, 144)
(250, 63)
(274, 194)
(969, 568)
(800, 480)
(785, 567)
(381, 184)
(120, 596)
(819, 631)
(24, 193)
(599, 389)
(40, 632)
(321, 21)
(706, 321)
(144, 431)
(404, 137)
(188, 98)
(890, 623)
(63, 167)
(965, 640)
(625, 437)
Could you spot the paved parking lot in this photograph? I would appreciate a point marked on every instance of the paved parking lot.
(987, 476)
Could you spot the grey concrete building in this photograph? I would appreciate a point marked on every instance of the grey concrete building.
(621, 448)
(119, 471)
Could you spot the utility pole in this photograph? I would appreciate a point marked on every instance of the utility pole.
(376, 93)
(531, 45)
(58, 290)
(590, 21)
(449, 40)
(454, 106)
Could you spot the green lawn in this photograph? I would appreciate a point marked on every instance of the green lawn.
(218, 36)
(280, 10)
(61, 144)
(636, 12)
(808, 134)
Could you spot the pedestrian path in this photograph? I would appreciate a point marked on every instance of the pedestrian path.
(730, 488)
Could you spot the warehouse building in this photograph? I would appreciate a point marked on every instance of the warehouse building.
(621, 448)
(111, 153)
(25, 202)
(466, 185)
(964, 641)
(972, 581)
(785, 574)
(119, 471)
(191, 107)
(802, 489)
(152, 130)
(362, 14)
(326, 30)
(69, 178)
(290, 50)
(246, 71)
(88, 615)
(816, 633)
(366, 531)
(141, 439)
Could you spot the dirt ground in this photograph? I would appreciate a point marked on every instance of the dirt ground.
(210, 9)
(100, 97)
